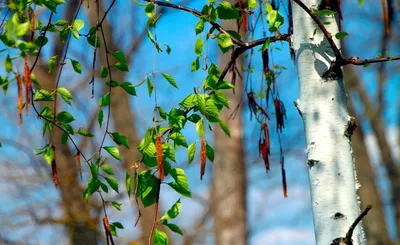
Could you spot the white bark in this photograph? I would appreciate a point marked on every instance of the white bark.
(324, 109)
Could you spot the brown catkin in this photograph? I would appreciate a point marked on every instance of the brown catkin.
(19, 85)
(203, 158)
(160, 163)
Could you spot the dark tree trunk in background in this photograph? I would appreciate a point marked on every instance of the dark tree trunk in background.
(229, 171)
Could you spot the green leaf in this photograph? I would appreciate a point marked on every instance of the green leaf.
(199, 26)
(341, 35)
(170, 79)
(78, 25)
(178, 139)
(113, 183)
(150, 10)
(173, 227)
(118, 225)
(168, 151)
(52, 63)
(100, 117)
(8, 64)
(48, 154)
(46, 113)
(104, 187)
(252, 4)
(65, 117)
(128, 184)
(120, 139)
(225, 128)
(150, 36)
(40, 41)
(65, 95)
(201, 103)
(113, 151)
(121, 66)
(160, 238)
(200, 128)
(195, 64)
(22, 29)
(198, 47)
(116, 205)
(221, 98)
(85, 133)
(162, 112)
(210, 153)
(92, 39)
(274, 20)
(173, 212)
(266, 44)
(129, 88)
(103, 72)
(107, 169)
(77, 66)
(149, 86)
(191, 152)
(120, 56)
(180, 184)
(187, 102)
(224, 42)
(105, 100)
(61, 23)
(227, 12)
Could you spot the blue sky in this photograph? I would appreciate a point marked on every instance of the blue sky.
(272, 219)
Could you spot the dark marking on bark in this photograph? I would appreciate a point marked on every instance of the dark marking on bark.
(311, 163)
(338, 215)
(350, 127)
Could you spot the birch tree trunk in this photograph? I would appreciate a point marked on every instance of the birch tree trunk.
(324, 110)
(229, 172)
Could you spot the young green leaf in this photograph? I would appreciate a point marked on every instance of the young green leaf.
(107, 169)
(113, 151)
(150, 10)
(180, 184)
(78, 25)
(65, 95)
(77, 66)
(48, 154)
(52, 63)
(195, 65)
(116, 205)
(210, 153)
(227, 11)
(129, 88)
(160, 238)
(341, 35)
(103, 72)
(105, 100)
(128, 184)
(170, 79)
(120, 139)
(224, 42)
(173, 227)
(178, 139)
(225, 127)
(65, 117)
(22, 29)
(198, 47)
(85, 133)
(200, 128)
(173, 212)
(113, 183)
(100, 117)
(199, 26)
(191, 152)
